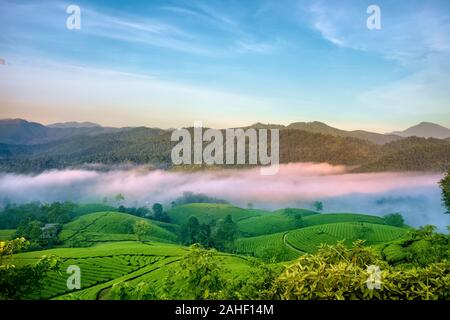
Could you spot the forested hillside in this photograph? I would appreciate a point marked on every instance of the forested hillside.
(152, 146)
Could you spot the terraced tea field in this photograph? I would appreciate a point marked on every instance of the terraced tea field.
(6, 234)
(325, 218)
(100, 264)
(267, 247)
(104, 246)
(310, 238)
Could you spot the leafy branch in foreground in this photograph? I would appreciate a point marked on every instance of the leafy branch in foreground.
(16, 282)
(338, 272)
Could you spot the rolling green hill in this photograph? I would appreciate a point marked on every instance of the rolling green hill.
(310, 238)
(110, 226)
(277, 221)
(325, 218)
(287, 219)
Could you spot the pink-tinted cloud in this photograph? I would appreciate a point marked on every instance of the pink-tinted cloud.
(415, 195)
(300, 181)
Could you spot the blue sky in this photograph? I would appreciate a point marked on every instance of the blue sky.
(226, 63)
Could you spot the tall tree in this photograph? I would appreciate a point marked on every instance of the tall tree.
(141, 229)
(226, 232)
(190, 231)
(445, 187)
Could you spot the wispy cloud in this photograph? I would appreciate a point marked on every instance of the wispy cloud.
(26, 81)
(409, 33)
(415, 35)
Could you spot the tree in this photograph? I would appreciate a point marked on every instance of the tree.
(119, 198)
(60, 212)
(226, 232)
(394, 219)
(202, 272)
(157, 209)
(190, 231)
(362, 232)
(159, 214)
(445, 187)
(33, 232)
(298, 220)
(141, 229)
(318, 205)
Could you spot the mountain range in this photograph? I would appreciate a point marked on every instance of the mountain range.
(33, 147)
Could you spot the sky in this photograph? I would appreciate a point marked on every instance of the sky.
(226, 63)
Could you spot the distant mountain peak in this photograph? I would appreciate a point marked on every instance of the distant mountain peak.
(425, 130)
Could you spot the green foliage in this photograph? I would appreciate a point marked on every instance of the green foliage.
(225, 233)
(159, 214)
(14, 215)
(202, 273)
(337, 272)
(445, 187)
(394, 219)
(141, 229)
(190, 197)
(422, 247)
(210, 212)
(124, 291)
(256, 285)
(39, 235)
(318, 206)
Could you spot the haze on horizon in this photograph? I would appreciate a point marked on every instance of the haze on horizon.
(170, 63)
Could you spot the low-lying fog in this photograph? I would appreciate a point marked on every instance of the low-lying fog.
(415, 195)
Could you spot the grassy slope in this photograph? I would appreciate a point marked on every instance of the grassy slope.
(110, 226)
(283, 220)
(6, 234)
(266, 246)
